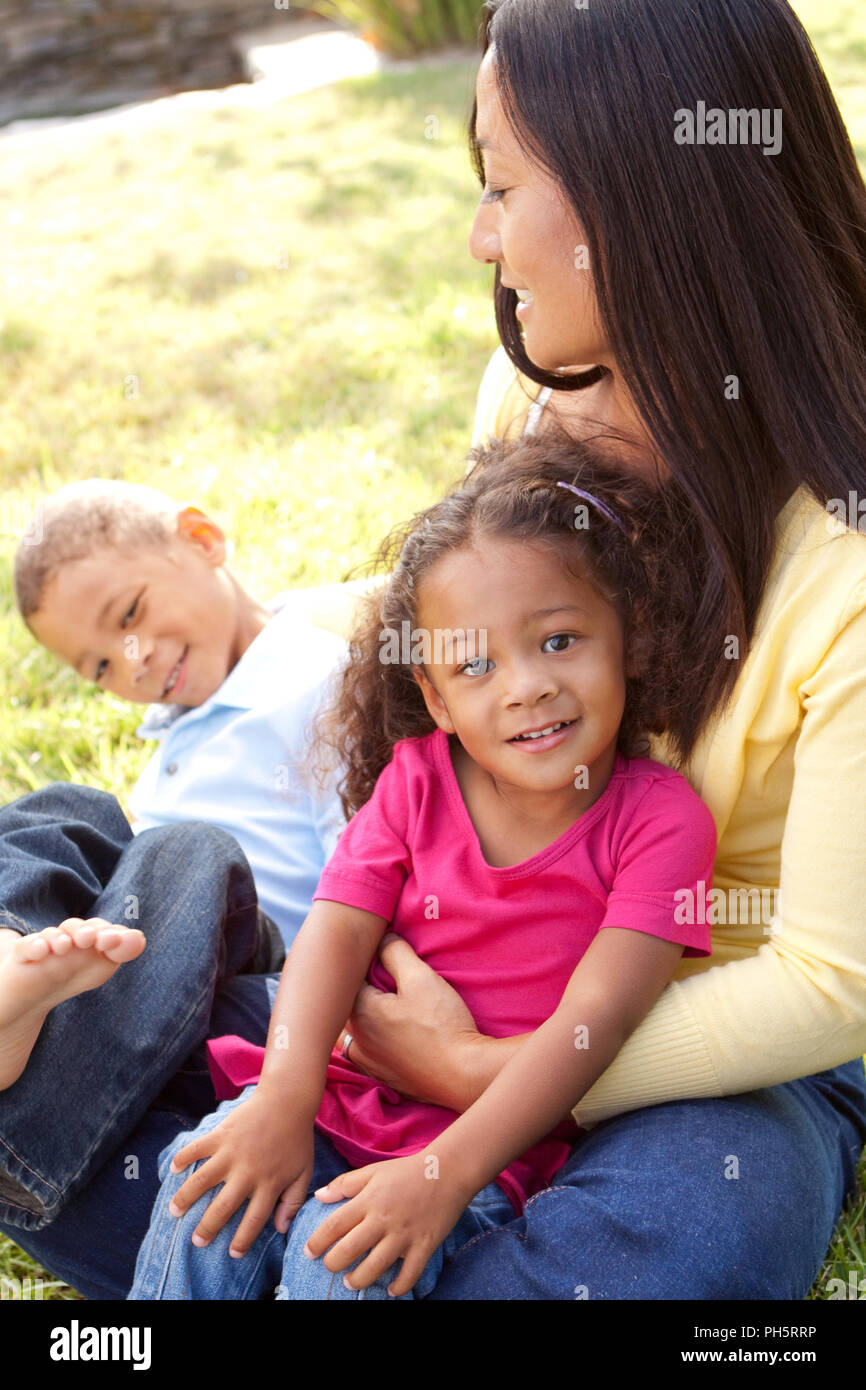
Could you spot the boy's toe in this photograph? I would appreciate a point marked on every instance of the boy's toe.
(31, 948)
(130, 946)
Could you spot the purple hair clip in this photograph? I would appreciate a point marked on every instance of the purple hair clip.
(594, 502)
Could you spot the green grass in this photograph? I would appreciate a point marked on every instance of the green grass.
(271, 314)
(292, 290)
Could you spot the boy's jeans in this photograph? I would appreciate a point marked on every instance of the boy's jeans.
(170, 1267)
(103, 1057)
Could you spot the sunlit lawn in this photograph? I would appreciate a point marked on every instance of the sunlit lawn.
(271, 314)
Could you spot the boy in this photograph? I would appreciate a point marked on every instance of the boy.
(134, 592)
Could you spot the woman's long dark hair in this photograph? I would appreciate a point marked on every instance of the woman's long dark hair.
(710, 262)
(643, 563)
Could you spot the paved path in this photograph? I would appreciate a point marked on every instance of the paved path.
(306, 54)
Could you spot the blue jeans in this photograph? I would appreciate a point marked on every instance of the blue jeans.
(170, 1267)
(643, 1209)
(130, 1053)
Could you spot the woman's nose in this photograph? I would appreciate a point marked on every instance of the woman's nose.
(484, 241)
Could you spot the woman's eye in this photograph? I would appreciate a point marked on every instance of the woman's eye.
(493, 195)
(130, 613)
(561, 642)
(101, 670)
(479, 666)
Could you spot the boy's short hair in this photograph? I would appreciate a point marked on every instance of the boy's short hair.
(84, 517)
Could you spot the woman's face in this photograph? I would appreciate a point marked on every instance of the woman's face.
(525, 224)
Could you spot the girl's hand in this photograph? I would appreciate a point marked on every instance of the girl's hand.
(418, 1040)
(400, 1209)
(259, 1156)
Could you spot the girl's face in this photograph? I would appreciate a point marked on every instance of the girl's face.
(525, 224)
(551, 659)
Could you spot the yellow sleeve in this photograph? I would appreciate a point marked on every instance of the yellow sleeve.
(798, 1005)
(503, 402)
(332, 606)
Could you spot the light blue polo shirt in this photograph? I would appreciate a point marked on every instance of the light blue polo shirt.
(234, 761)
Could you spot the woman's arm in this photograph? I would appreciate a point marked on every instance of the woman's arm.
(422, 1040)
(798, 1005)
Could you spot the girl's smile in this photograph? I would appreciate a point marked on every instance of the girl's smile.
(538, 740)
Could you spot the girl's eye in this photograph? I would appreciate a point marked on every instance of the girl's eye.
(479, 666)
(493, 195)
(130, 613)
(562, 641)
(101, 670)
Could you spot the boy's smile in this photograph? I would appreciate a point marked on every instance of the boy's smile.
(547, 697)
(163, 623)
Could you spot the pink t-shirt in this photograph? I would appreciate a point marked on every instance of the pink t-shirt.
(507, 939)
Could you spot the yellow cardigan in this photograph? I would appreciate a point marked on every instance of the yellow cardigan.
(783, 771)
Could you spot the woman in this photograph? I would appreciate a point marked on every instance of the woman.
(707, 304)
(698, 361)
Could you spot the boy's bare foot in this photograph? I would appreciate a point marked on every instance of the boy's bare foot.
(43, 969)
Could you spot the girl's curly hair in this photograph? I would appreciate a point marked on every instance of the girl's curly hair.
(511, 491)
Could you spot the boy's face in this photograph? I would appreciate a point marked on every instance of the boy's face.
(157, 624)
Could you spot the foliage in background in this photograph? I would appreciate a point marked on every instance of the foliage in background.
(270, 313)
(406, 27)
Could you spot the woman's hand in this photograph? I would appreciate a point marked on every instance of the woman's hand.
(400, 1209)
(422, 1040)
(260, 1157)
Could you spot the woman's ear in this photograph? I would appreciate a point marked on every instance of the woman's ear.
(436, 706)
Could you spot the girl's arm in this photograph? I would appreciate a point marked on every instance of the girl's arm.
(615, 984)
(408, 1206)
(323, 972)
(263, 1149)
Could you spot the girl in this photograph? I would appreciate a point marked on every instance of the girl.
(491, 719)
